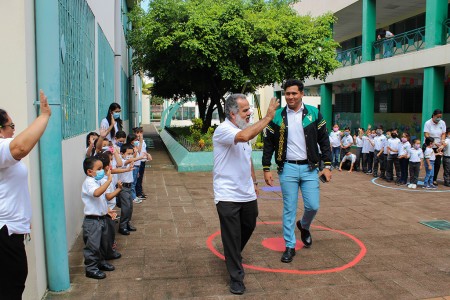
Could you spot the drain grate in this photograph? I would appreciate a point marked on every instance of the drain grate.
(437, 224)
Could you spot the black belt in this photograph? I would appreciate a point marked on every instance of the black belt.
(94, 217)
(298, 162)
(126, 184)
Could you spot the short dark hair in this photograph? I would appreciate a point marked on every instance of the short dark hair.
(380, 127)
(448, 130)
(347, 128)
(138, 129)
(292, 82)
(89, 136)
(88, 163)
(120, 134)
(3, 117)
(416, 140)
(436, 112)
(125, 147)
(429, 140)
(131, 137)
(104, 158)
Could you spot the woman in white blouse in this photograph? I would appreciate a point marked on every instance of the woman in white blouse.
(15, 204)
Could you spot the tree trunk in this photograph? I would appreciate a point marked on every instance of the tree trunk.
(208, 117)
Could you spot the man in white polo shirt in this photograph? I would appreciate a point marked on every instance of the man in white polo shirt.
(235, 182)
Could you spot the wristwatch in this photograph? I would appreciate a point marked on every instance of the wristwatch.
(327, 167)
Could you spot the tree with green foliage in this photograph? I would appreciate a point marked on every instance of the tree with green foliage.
(209, 48)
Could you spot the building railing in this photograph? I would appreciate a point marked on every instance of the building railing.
(350, 57)
(413, 40)
(447, 27)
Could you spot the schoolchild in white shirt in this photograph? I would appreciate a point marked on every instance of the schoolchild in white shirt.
(415, 156)
(346, 142)
(90, 143)
(371, 145)
(403, 150)
(446, 161)
(429, 158)
(95, 229)
(392, 159)
(385, 155)
(335, 142)
(348, 162)
(139, 131)
(357, 140)
(365, 151)
(378, 146)
(124, 198)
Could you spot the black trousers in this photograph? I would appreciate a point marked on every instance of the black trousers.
(13, 265)
(237, 222)
(367, 162)
(358, 154)
(378, 161)
(446, 160)
(437, 165)
(139, 190)
(404, 162)
(126, 207)
(414, 169)
(392, 161)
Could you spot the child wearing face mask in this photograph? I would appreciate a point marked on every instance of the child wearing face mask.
(392, 159)
(366, 151)
(357, 140)
(378, 157)
(95, 229)
(335, 142)
(403, 150)
(136, 141)
(371, 136)
(124, 198)
(429, 158)
(346, 142)
(385, 155)
(446, 161)
(415, 156)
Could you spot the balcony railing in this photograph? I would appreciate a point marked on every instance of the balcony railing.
(409, 41)
(350, 57)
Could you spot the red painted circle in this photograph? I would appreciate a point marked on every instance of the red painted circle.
(277, 244)
(361, 254)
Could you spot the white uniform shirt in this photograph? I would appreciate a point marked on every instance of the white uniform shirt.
(447, 148)
(366, 144)
(105, 125)
(393, 144)
(359, 142)
(350, 157)
(403, 148)
(335, 138)
(379, 142)
(385, 151)
(15, 203)
(371, 144)
(95, 206)
(429, 153)
(296, 142)
(435, 130)
(347, 140)
(126, 177)
(111, 203)
(415, 155)
(232, 177)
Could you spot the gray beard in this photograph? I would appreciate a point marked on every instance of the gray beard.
(241, 123)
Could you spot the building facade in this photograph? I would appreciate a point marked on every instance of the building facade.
(76, 52)
(393, 80)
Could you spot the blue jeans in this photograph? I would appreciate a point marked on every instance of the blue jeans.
(429, 174)
(335, 156)
(133, 185)
(293, 177)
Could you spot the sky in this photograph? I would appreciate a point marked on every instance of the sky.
(144, 4)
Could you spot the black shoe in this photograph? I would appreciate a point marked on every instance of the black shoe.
(124, 231)
(435, 183)
(106, 267)
(305, 235)
(237, 287)
(116, 255)
(143, 196)
(375, 175)
(131, 228)
(96, 275)
(288, 255)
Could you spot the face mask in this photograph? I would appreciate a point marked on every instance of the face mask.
(394, 135)
(116, 115)
(99, 174)
(373, 135)
(437, 120)
(417, 146)
(404, 140)
(335, 129)
(346, 133)
(379, 132)
(128, 157)
(136, 143)
(388, 136)
(119, 144)
(105, 148)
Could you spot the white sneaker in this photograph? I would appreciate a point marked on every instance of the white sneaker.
(410, 186)
(414, 186)
(137, 200)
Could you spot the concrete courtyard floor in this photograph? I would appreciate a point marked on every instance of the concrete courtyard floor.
(368, 244)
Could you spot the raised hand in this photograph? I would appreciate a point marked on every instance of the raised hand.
(273, 105)
(45, 108)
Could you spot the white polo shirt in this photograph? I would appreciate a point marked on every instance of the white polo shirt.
(415, 155)
(359, 142)
(232, 179)
(403, 148)
(379, 142)
(296, 142)
(350, 157)
(105, 125)
(429, 153)
(111, 188)
(126, 177)
(435, 130)
(335, 138)
(393, 144)
(15, 203)
(447, 148)
(94, 206)
(347, 140)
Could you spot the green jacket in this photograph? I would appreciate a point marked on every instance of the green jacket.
(316, 135)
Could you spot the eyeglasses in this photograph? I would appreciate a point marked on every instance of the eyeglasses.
(12, 125)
